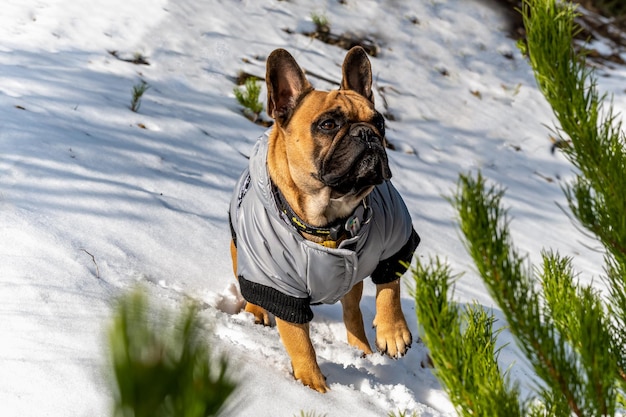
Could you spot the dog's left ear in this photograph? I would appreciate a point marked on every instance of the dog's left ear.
(357, 73)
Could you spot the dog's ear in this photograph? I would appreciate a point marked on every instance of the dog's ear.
(357, 73)
(286, 82)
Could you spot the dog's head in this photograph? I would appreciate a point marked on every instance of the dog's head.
(326, 143)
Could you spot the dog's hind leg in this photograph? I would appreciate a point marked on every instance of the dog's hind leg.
(233, 255)
(261, 316)
(353, 319)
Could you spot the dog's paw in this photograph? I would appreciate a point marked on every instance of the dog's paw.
(261, 316)
(393, 339)
(312, 379)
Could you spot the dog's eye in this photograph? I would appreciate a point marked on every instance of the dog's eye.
(328, 124)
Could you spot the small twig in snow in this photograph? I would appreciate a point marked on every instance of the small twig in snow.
(93, 258)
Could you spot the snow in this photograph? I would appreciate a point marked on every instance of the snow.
(95, 198)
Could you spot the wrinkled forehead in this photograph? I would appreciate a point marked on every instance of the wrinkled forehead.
(353, 105)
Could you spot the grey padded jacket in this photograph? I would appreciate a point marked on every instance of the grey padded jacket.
(285, 273)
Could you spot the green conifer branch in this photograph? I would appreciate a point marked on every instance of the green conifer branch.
(463, 349)
(596, 196)
(580, 317)
(573, 337)
(484, 224)
(161, 365)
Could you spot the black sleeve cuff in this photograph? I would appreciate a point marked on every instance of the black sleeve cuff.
(392, 268)
(285, 307)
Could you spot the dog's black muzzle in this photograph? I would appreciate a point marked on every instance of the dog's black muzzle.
(356, 161)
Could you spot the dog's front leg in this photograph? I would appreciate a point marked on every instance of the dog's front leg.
(392, 333)
(298, 344)
(353, 319)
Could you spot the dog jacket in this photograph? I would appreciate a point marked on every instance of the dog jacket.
(285, 273)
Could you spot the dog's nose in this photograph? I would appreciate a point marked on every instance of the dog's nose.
(364, 133)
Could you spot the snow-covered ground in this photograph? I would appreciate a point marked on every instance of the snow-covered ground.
(95, 197)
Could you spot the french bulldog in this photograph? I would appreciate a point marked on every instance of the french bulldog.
(315, 213)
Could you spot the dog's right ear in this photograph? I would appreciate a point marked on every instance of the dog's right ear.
(286, 82)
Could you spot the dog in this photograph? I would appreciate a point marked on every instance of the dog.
(314, 214)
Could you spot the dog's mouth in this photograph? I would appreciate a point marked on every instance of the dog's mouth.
(369, 169)
(356, 163)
